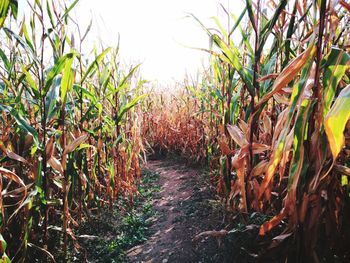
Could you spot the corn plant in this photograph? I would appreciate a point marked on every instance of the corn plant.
(277, 103)
(69, 136)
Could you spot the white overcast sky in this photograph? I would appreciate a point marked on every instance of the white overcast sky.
(154, 31)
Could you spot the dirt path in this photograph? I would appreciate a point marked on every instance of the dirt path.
(184, 208)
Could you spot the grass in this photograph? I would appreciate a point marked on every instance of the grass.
(126, 226)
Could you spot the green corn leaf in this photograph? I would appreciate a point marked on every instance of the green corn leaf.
(290, 32)
(237, 21)
(23, 43)
(335, 66)
(298, 166)
(269, 26)
(52, 98)
(124, 81)
(124, 109)
(31, 82)
(26, 36)
(251, 14)
(14, 8)
(3, 244)
(4, 9)
(4, 58)
(66, 13)
(266, 69)
(85, 92)
(220, 27)
(49, 13)
(231, 55)
(56, 69)
(105, 77)
(95, 63)
(67, 79)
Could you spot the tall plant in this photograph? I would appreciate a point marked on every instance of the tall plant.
(69, 139)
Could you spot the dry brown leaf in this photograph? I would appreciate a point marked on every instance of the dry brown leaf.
(237, 135)
(276, 241)
(270, 76)
(225, 150)
(13, 177)
(267, 124)
(212, 233)
(281, 121)
(16, 157)
(281, 99)
(267, 226)
(260, 168)
(243, 126)
(288, 73)
(55, 164)
(304, 207)
(260, 148)
(238, 162)
(50, 146)
(71, 147)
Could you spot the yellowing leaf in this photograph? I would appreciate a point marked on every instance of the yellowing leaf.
(336, 120)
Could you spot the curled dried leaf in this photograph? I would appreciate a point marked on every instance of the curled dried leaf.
(225, 150)
(237, 135)
(55, 164)
(267, 226)
(15, 178)
(260, 168)
(288, 73)
(16, 157)
(260, 148)
(50, 146)
(71, 147)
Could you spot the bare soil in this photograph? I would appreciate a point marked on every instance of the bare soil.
(185, 206)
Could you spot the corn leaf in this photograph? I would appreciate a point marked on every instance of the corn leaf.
(289, 73)
(336, 64)
(95, 64)
(336, 120)
(4, 9)
(67, 79)
(56, 69)
(280, 145)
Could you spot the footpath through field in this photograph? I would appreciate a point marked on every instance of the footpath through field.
(185, 207)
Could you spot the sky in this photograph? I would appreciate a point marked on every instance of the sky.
(156, 33)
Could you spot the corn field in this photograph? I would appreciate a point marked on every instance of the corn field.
(70, 139)
(269, 116)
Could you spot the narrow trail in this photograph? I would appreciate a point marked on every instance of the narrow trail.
(184, 208)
